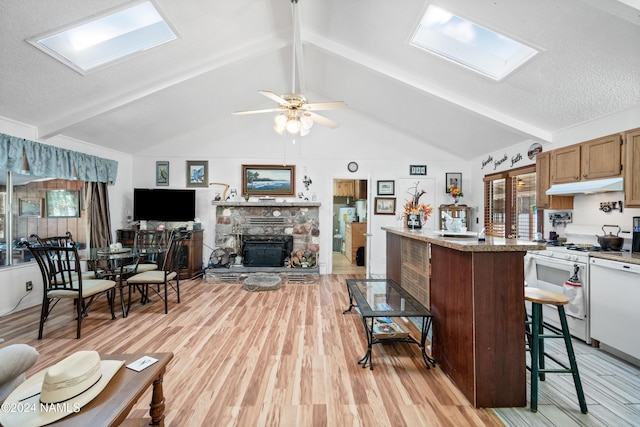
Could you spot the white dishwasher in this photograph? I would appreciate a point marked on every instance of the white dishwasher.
(615, 299)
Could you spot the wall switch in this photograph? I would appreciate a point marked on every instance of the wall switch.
(29, 285)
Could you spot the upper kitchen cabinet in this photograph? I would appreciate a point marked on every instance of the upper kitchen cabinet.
(343, 188)
(543, 182)
(360, 191)
(596, 159)
(632, 162)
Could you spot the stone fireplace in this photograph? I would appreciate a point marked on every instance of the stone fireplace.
(269, 233)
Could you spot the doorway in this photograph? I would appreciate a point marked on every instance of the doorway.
(350, 217)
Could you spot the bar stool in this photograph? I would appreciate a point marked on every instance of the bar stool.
(536, 337)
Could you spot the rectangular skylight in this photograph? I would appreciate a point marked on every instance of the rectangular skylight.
(88, 46)
(470, 44)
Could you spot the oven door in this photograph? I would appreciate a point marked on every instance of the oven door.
(548, 273)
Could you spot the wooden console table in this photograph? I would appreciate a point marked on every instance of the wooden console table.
(114, 403)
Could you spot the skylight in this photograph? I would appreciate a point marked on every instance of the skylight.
(470, 44)
(90, 45)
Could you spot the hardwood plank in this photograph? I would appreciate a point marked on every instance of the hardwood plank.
(284, 357)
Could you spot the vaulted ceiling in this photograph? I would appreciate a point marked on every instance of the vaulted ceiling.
(356, 51)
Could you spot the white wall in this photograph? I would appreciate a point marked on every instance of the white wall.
(585, 207)
(12, 279)
(381, 152)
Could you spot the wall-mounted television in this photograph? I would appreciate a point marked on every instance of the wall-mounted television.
(164, 205)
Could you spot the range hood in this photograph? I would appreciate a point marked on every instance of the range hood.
(586, 187)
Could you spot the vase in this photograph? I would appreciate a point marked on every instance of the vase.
(414, 221)
(456, 200)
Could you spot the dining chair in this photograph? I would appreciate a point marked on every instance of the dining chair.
(148, 244)
(63, 279)
(64, 241)
(166, 277)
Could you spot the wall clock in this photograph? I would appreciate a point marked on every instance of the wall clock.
(352, 166)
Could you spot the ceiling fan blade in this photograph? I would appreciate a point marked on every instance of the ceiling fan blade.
(322, 120)
(317, 106)
(280, 100)
(268, 110)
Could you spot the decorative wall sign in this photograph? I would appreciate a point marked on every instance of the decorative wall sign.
(417, 169)
(268, 180)
(162, 173)
(534, 149)
(197, 173)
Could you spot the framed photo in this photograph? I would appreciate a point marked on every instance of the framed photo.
(385, 206)
(197, 173)
(417, 169)
(30, 207)
(269, 180)
(63, 203)
(453, 178)
(162, 173)
(386, 188)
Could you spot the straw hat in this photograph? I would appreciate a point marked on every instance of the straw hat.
(58, 391)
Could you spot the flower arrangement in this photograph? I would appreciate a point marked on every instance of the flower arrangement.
(455, 192)
(414, 206)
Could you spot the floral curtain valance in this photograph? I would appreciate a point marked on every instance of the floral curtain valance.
(33, 158)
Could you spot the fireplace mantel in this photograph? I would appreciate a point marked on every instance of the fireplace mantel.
(267, 203)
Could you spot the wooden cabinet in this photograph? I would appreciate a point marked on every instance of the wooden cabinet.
(360, 189)
(191, 261)
(354, 238)
(596, 159)
(543, 182)
(631, 163)
(343, 188)
(602, 157)
(565, 164)
(459, 211)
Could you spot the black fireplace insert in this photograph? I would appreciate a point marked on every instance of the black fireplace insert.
(266, 251)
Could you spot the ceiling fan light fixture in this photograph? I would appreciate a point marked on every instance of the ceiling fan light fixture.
(294, 125)
(307, 122)
(281, 120)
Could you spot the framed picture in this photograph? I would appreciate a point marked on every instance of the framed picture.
(197, 173)
(386, 188)
(30, 207)
(385, 206)
(162, 173)
(453, 178)
(269, 180)
(63, 203)
(417, 169)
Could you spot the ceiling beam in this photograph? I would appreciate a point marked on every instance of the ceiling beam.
(311, 38)
(250, 50)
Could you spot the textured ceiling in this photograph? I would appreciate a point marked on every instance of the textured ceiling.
(356, 51)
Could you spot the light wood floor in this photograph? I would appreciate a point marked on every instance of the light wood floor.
(341, 265)
(288, 358)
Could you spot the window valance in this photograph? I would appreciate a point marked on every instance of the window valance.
(33, 158)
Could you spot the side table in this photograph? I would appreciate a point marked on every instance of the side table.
(382, 298)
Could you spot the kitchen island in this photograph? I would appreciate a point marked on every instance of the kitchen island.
(475, 291)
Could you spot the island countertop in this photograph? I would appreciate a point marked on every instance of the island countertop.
(467, 243)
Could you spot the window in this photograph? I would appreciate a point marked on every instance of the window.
(469, 44)
(510, 204)
(90, 45)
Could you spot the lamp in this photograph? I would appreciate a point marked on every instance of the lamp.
(520, 185)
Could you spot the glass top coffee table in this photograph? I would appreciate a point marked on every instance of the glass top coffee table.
(380, 300)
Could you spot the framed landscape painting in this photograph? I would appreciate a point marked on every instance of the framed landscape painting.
(63, 203)
(269, 180)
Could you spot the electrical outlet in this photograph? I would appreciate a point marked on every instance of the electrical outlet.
(29, 285)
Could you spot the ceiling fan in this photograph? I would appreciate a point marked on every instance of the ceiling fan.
(297, 115)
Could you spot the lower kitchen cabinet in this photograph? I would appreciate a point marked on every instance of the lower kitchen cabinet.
(354, 239)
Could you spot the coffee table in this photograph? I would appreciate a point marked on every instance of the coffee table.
(383, 298)
(114, 403)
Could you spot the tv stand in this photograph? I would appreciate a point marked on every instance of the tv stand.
(191, 263)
